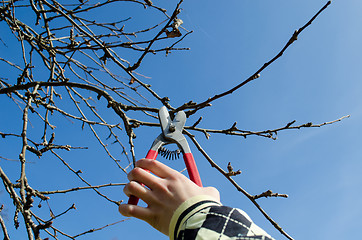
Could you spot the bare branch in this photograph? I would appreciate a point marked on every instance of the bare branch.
(2, 223)
(81, 188)
(256, 75)
(269, 193)
(240, 189)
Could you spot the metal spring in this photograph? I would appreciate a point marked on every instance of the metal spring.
(168, 154)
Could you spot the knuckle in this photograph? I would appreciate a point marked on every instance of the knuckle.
(143, 162)
(149, 164)
(162, 186)
(126, 189)
(173, 185)
(134, 173)
(132, 186)
(124, 210)
(152, 163)
(131, 210)
(179, 178)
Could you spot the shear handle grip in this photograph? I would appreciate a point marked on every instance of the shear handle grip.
(192, 169)
(150, 155)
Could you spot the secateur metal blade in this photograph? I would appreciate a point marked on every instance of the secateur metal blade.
(172, 129)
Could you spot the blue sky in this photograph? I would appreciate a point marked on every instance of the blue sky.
(317, 80)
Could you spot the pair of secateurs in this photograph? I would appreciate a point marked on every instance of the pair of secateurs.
(172, 133)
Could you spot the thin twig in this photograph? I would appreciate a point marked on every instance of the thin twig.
(256, 75)
(2, 223)
(81, 188)
(240, 189)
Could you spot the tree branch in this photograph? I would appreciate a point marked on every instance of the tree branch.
(256, 75)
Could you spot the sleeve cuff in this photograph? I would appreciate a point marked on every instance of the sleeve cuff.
(187, 209)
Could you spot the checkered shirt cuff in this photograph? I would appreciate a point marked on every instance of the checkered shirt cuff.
(202, 218)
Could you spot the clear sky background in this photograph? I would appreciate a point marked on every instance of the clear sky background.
(317, 80)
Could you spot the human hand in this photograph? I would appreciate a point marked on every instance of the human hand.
(165, 192)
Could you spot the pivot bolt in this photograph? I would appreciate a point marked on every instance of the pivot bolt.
(172, 128)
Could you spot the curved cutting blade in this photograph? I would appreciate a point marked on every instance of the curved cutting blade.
(179, 120)
(165, 119)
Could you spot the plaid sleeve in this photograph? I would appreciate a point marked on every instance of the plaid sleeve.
(202, 218)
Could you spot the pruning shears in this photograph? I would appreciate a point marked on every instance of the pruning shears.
(172, 133)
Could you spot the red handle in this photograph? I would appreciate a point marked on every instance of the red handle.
(150, 155)
(192, 169)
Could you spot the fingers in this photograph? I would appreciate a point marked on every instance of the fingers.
(140, 177)
(144, 176)
(138, 190)
(129, 210)
(156, 167)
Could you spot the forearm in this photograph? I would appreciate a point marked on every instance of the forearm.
(201, 217)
